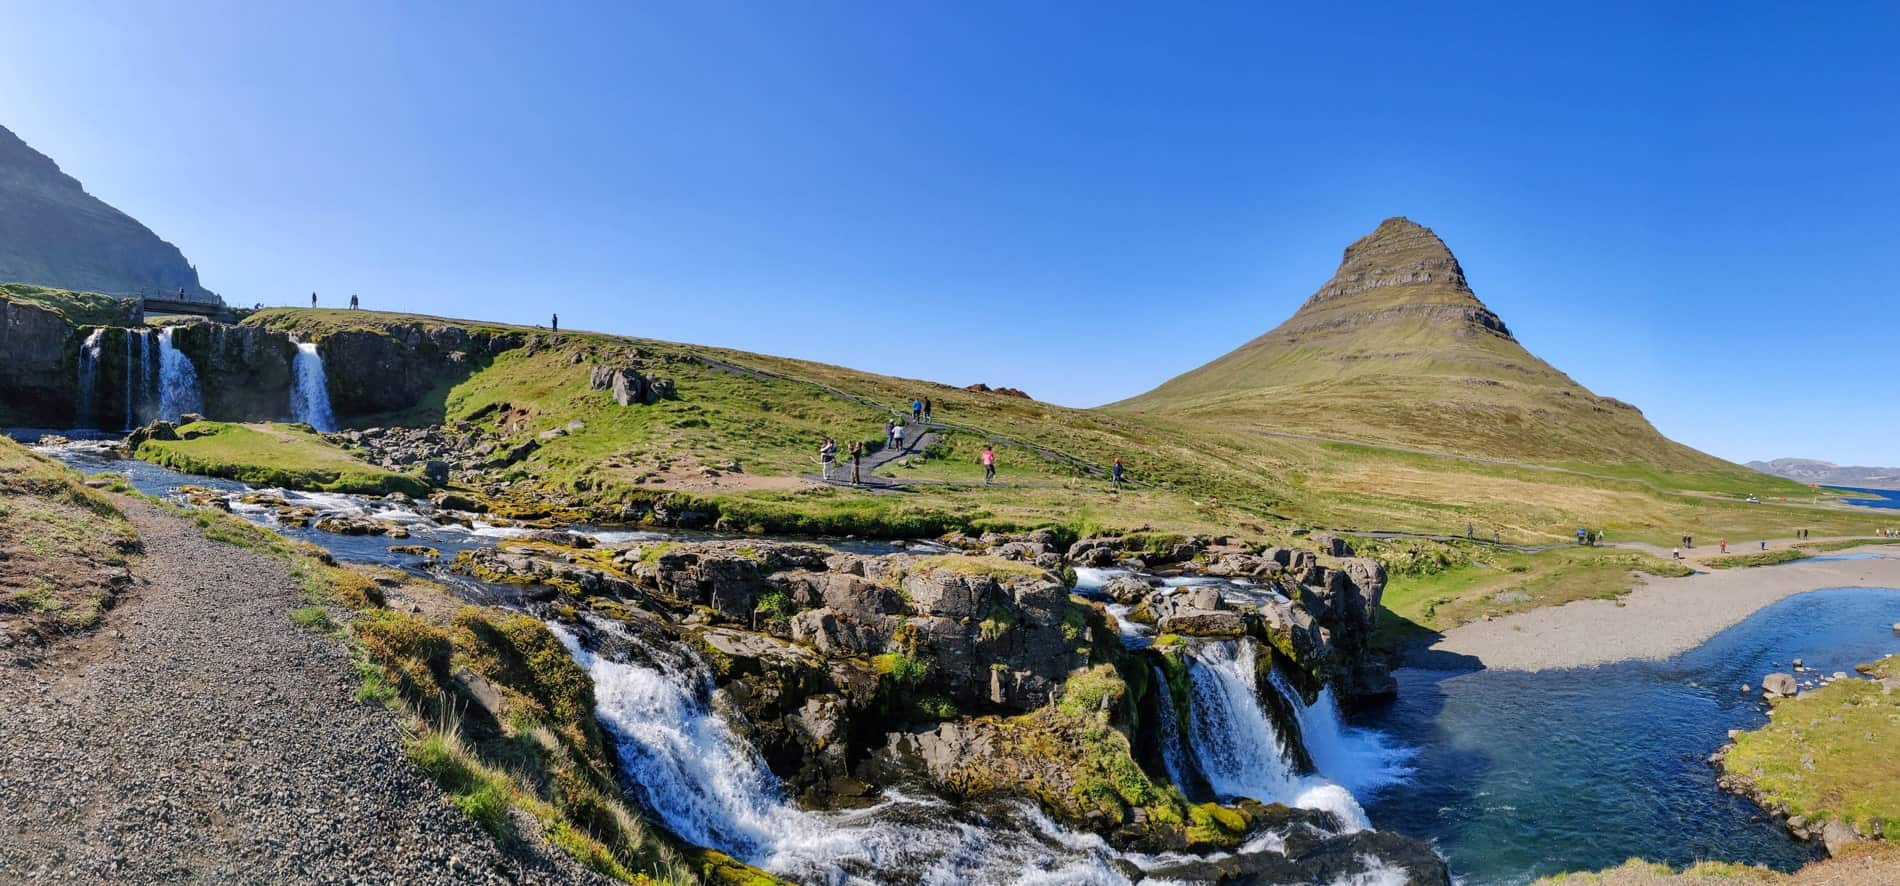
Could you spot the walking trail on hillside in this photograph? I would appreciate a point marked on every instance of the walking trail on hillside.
(1661, 618)
(200, 735)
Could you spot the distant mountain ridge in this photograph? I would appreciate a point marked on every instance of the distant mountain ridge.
(53, 233)
(1827, 473)
(1395, 349)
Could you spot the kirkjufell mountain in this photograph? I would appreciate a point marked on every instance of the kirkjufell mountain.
(1396, 349)
(53, 233)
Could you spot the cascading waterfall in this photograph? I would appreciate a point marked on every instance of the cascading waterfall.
(310, 398)
(1170, 733)
(177, 381)
(1360, 760)
(1239, 749)
(89, 354)
(710, 787)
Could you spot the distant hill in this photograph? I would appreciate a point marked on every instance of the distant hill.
(1827, 473)
(1397, 350)
(53, 233)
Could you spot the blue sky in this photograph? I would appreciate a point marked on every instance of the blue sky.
(1692, 208)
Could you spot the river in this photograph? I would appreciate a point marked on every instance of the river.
(1512, 775)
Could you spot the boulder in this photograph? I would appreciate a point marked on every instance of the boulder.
(1204, 623)
(948, 593)
(1126, 589)
(1331, 545)
(1778, 685)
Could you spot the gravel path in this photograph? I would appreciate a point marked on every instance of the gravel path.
(1661, 618)
(200, 736)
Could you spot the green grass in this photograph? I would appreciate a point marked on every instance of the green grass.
(1448, 584)
(1757, 558)
(290, 456)
(79, 308)
(1828, 754)
(59, 537)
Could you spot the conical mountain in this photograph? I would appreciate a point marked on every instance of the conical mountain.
(1397, 350)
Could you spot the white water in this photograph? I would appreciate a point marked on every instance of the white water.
(310, 396)
(1170, 731)
(1239, 750)
(89, 353)
(709, 786)
(177, 381)
(1360, 760)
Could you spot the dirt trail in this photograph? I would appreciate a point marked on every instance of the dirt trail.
(200, 736)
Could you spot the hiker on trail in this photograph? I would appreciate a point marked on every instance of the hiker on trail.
(1722, 545)
(313, 299)
(353, 302)
(916, 410)
(1676, 553)
(1494, 537)
(1581, 535)
(827, 453)
(1764, 544)
(926, 410)
(897, 437)
(989, 464)
(556, 323)
(857, 456)
(890, 434)
(1468, 530)
(1116, 473)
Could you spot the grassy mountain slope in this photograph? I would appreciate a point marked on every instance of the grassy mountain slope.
(1395, 349)
(768, 414)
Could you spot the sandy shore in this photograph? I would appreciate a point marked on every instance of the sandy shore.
(1662, 617)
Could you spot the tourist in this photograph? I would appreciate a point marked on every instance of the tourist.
(1764, 544)
(313, 299)
(1676, 553)
(926, 410)
(1722, 545)
(890, 434)
(989, 464)
(1494, 538)
(555, 324)
(916, 410)
(897, 437)
(1583, 536)
(857, 456)
(1469, 529)
(1116, 473)
(827, 453)
(353, 301)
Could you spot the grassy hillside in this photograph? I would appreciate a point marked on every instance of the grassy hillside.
(60, 545)
(755, 422)
(79, 308)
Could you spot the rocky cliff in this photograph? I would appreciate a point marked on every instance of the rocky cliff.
(244, 372)
(54, 233)
(39, 374)
(391, 367)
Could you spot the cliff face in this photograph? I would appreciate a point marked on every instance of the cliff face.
(54, 233)
(245, 373)
(38, 370)
(392, 368)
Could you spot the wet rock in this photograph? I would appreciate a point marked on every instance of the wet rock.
(948, 593)
(1094, 552)
(1126, 589)
(1778, 685)
(1204, 623)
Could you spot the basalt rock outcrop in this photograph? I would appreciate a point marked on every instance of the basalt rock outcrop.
(244, 372)
(39, 372)
(394, 367)
(630, 386)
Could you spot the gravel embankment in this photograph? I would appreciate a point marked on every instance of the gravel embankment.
(200, 736)
(1661, 618)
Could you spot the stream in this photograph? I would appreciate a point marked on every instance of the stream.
(1510, 775)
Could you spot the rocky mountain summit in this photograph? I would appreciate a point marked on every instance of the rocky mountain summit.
(55, 234)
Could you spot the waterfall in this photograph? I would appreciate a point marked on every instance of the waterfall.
(310, 398)
(177, 381)
(1170, 729)
(1360, 760)
(132, 364)
(87, 415)
(688, 768)
(1239, 750)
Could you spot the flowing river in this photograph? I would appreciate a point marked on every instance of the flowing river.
(1511, 775)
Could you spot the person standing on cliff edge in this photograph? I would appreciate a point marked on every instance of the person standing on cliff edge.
(353, 302)
(313, 299)
(556, 323)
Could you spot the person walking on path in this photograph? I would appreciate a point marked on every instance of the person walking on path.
(1581, 535)
(1494, 538)
(916, 410)
(1722, 545)
(857, 456)
(890, 434)
(353, 302)
(556, 323)
(1116, 473)
(989, 464)
(827, 453)
(926, 410)
(313, 299)
(897, 437)
(1764, 544)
